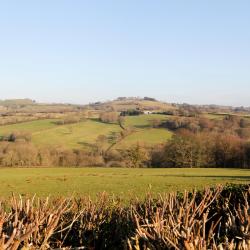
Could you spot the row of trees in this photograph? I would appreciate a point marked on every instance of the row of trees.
(230, 124)
(183, 150)
(131, 112)
(69, 120)
(203, 150)
(109, 117)
(26, 154)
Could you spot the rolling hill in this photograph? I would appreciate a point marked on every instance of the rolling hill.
(84, 134)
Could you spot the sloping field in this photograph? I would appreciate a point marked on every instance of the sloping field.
(32, 126)
(146, 136)
(143, 121)
(84, 134)
(77, 135)
(142, 104)
(119, 181)
(143, 131)
(46, 132)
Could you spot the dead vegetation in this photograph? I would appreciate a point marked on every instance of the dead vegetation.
(214, 219)
(30, 223)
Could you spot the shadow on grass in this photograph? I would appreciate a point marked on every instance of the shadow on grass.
(99, 121)
(207, 176)
(87, 144)
(95, 120)
(142, 126)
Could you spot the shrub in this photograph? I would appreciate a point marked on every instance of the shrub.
(18, 136)
(212, 219)
(109, 117)
(68, 120)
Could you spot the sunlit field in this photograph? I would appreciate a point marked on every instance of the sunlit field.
(125, 183)
(84, 134)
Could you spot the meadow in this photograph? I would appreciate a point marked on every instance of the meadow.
(84, 134)
(122, 182)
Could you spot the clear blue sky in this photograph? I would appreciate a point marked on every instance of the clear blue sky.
(83, 51)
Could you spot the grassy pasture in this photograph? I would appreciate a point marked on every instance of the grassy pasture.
(143, 104)
(46, 132)
(32, 126)
(126, 183)
(84, 134)
(143, 121)
(144, 133)
(146, 136)
(76, 135)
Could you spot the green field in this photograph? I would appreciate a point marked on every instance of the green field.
(125, 183)
(46, 132)
(143, 121)
(147, 136)
(75, 135)
(143, 131)
(32, 127)
(84, 134)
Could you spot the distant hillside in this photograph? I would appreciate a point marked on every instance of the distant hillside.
(126, 103)
(30, 106)
(118, 105)
(16, 102)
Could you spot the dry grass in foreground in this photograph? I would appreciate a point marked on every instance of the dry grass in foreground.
(213, 219)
